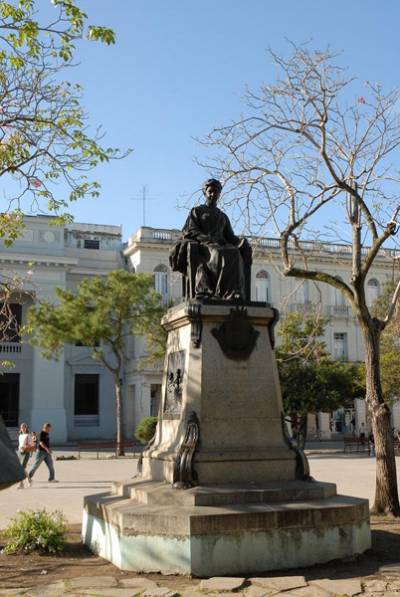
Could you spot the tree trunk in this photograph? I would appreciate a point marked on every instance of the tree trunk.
(120, 418)
(386, 493)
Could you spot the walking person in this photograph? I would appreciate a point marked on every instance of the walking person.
(26, 445)
(362, 433)
(43, 453)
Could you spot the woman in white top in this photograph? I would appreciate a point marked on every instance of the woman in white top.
(26, 446)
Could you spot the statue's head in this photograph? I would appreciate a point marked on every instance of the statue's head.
(212, 190)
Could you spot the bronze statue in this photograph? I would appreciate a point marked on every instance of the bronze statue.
(214, 262)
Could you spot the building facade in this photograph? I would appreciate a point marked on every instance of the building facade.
(75, 393)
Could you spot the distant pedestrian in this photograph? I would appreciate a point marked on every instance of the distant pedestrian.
(26, 445)
(43, 453)
(353, 425)
(362, 433)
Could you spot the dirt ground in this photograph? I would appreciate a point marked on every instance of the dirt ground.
(76, 560)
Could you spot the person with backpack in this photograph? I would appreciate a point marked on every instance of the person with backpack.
(43, 454)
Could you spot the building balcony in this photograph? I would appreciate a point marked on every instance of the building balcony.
(10, 348)
(343, 311)
(307, 307)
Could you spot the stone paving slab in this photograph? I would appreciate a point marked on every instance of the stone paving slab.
(92, 582)
(56, 589)
(346, 586)
(137, 583)
(375, 586)
(280, 583)
(378, 585)
(221, 584)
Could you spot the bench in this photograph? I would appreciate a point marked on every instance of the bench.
(106, 445)
(355, 444)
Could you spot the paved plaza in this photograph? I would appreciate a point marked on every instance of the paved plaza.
(353, 474)
(371, 576)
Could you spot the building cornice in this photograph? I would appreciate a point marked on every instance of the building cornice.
(46, 260)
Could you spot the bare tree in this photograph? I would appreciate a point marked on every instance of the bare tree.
(313, 157)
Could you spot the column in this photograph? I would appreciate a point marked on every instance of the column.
(48, 396)
(360, 408)
(129, 414)
(323, 425)
(396, 415)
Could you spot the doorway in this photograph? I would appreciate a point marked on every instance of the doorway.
(9, 398)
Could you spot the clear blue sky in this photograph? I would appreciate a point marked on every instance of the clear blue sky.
(179, 68)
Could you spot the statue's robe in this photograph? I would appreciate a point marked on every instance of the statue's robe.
(220, 271)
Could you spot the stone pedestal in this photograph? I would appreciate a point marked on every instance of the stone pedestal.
(222, 490)
(236, 400)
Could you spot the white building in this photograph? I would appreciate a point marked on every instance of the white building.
(75, 393)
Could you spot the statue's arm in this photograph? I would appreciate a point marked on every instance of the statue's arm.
(239, 241)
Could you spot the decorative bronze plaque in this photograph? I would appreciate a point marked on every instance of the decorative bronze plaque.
(174, 383)
(236, 336)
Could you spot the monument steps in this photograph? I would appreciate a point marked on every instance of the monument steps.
(159, 514)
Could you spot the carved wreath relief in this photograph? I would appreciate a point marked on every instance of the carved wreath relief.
(174, 383)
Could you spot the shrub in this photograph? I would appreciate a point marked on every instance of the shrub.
(146, 429)
(41, 530)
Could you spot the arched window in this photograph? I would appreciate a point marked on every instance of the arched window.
(263, 290)
(372, 291)
(161, 281)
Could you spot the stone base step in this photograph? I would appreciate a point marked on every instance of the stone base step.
(160, 493)
(172, 536)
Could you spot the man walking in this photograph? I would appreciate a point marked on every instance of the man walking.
(43, 453)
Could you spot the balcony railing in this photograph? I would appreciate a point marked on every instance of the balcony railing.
(307, 307)
(339, 311)
(10, 348)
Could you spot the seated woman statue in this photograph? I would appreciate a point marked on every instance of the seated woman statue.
(215, 262)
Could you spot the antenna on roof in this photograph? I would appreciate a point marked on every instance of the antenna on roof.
(144, 198)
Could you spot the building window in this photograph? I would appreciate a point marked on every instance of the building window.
(10, 322)
(372, 291)
(9, 398)
(340, 350)
(340, 299)
(262, 287)
(90, 243)
(161, 281)
(86, 400)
